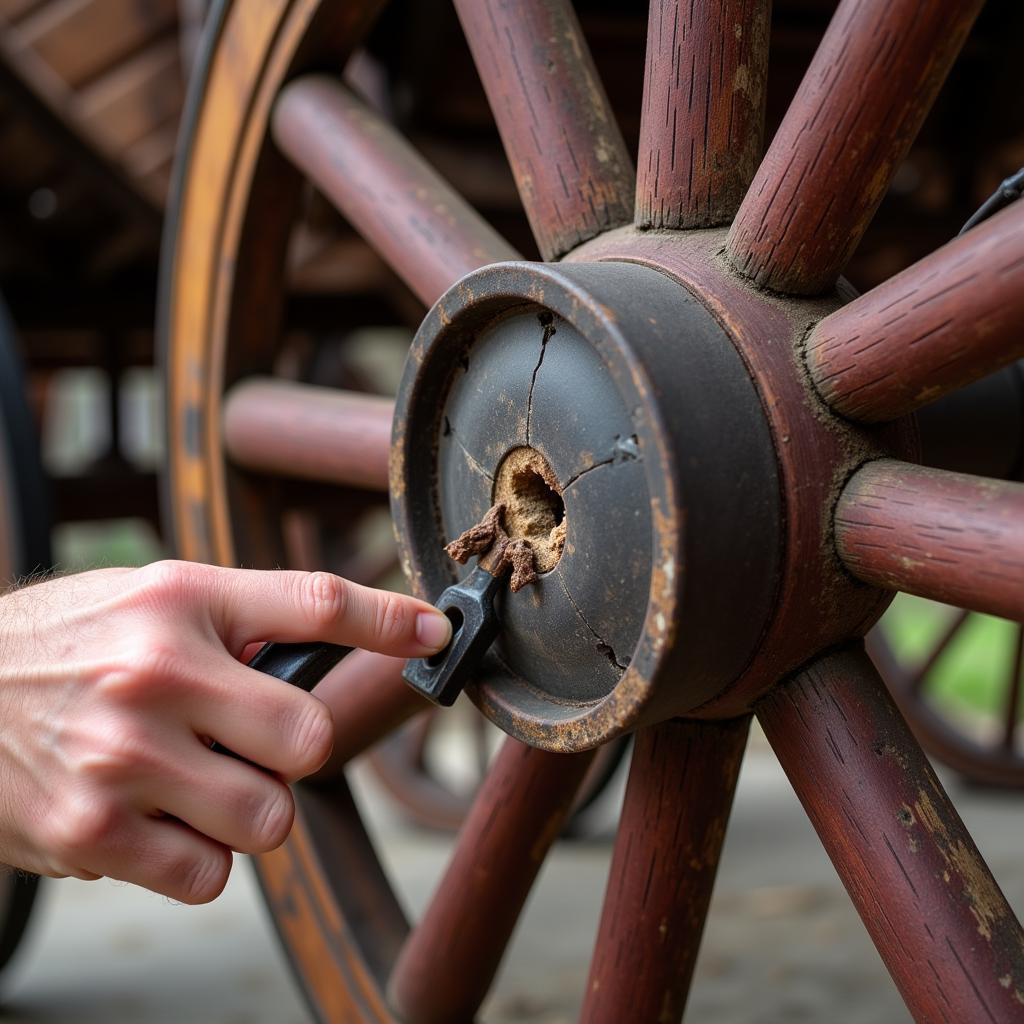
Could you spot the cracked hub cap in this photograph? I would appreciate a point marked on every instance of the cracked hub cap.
(612, 416)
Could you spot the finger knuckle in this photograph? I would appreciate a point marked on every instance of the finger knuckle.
(322, 597)
(392, 619)
(156, 661)
(118, 753)
(272, 820)
(77, 829)
(313, 736)
(201, 879)
(169, 580)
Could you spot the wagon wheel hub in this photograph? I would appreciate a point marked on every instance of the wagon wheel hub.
(622, 425)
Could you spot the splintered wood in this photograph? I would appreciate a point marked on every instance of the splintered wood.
(498, 552)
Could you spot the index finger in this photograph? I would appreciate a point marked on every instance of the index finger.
(296, 606)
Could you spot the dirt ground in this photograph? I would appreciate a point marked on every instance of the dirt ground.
(782, 943)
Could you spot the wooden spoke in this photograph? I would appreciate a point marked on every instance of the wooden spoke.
(571, 167)
(950, 319)
(874, 77)
(928, 900)
(1012, 713)
(450, 958)
(427, 233)
(480, 746)
(702, 121)
(369, 699)
(922, 671)
(947, 536)
(680, 790)
(309, 432)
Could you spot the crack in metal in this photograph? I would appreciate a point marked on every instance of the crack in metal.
(625, 450)
(449, 431)
(603, 646)
(547, 321)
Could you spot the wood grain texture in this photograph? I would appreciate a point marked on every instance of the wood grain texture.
(950, 319)
(680, 790)
(946, 536)
(313, 433)
(871, 83)
(932, 908)
(447, 964)
(427, 233)
(702, 123)
(571, 167)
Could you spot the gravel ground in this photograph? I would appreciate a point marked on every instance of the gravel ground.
(782, 943)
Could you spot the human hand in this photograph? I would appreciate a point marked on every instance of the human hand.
(113, 685)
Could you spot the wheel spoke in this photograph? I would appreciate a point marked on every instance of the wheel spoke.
(1012, 713)
(450, 958)
(950, 319)
(702, 122)
(917, 678)
(309, 432)
(928, 900)
(947, 536)
(571, 167)
(369, 699)
(680, 790)
(870, 85)
(427, 233)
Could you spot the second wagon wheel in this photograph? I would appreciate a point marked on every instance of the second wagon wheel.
(725, 434)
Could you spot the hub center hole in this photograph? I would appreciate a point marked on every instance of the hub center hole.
(534, 510)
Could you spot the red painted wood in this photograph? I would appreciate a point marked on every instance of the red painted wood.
(870, 85)
(314, 433)
(369, 699)
(950, 319)
(452, 955)
(681, 784)
(948, 536)
(427, 233)
(932, 908)
(567, 155)
(702, 123)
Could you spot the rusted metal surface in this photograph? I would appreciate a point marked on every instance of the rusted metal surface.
(314, 433)
(873, 79)
(614, 635)
(450, 958)
(947, 536)
(571, 166)
(427, 233)
(928, 900)
(703, 111)
(681, 784)
(948, 320)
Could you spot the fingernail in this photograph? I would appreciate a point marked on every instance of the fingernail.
(433, 630)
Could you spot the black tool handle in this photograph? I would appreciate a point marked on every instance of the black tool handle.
(302, 665)
(470, 607)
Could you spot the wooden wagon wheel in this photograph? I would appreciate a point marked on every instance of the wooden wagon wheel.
(24, 549)
(726, 433)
